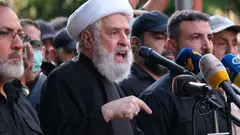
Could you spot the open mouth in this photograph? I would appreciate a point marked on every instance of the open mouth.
(121, 56)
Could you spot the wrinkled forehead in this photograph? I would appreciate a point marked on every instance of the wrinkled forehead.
(116, 20)
(9, 19)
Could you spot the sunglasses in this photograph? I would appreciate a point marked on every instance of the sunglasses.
(35, 43)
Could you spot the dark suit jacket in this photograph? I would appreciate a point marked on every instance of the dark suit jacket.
(72, 99)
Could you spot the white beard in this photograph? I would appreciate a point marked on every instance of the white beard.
(104, 62)
(11, 70)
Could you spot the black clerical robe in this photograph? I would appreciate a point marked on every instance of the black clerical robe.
(72, 99)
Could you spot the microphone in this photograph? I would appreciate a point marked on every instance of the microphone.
(232, 63)
(149, 54)
(216, 75)
(188, 86)
(189, 59)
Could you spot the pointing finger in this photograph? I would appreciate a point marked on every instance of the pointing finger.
(143, 106)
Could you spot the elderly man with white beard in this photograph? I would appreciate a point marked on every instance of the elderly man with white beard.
(81, 96)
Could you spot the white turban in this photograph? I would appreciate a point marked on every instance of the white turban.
(93, 10)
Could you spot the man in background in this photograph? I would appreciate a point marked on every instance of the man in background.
(32, 30)
(149, 29)
(65, 46)
(47, 35)
(58, 23)
(225, 41)
(225, 36)
(172, 115)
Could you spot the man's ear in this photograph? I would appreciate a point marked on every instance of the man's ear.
(43, 51)
(135, 42)
(86, 39)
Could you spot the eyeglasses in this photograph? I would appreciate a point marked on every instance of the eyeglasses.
(10, 35)
(35, 43)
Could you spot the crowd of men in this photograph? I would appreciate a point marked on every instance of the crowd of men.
(83, 75)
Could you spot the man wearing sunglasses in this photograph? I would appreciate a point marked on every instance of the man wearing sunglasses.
(35, 78)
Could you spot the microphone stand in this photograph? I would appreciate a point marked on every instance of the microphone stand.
(216, 122)
(229, 116)
(205, 97)
(235, 119)
(228, 112)
(229, 120)
(215, 116)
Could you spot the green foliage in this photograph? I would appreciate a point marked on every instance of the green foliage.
(48, 9)
(235, 5)
(209, 6)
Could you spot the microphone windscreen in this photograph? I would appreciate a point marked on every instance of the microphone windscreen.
(213, 70)
(232, 63)
(189, 59)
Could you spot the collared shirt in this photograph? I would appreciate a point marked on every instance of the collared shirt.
(136, 82)
(17, 117)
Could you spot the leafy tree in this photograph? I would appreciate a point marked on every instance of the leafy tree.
(48, 9)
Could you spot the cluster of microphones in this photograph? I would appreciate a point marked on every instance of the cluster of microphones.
(196, 74)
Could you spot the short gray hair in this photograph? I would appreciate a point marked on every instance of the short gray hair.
(94, 29)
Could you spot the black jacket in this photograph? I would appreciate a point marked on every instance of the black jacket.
(138, 81)
(72, 99)
(17, 116)
(172, 115)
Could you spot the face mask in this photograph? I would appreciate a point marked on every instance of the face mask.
(37, 60)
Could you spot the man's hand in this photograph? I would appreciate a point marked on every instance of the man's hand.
(126, 107)
(28, 74)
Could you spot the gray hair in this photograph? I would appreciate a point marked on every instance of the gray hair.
(94, 29)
